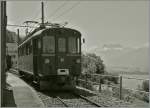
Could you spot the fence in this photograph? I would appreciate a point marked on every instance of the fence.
(119, 86)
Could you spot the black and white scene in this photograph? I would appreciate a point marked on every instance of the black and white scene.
(75, 53)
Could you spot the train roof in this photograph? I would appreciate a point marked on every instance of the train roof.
(45, 30)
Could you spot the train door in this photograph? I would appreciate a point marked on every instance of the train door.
(36, 55)
(61, 59)
(48, 55)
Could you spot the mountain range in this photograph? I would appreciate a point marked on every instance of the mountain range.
(117, 57)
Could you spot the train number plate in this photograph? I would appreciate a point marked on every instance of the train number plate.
(63, 71)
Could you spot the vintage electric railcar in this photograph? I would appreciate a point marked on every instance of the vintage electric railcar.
(52, 56)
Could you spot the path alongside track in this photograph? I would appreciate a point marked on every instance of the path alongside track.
(23, 94)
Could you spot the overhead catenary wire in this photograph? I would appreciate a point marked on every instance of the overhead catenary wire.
(33, 28)
(59, 8)
(66, 11)
(38, 11)
(13, 25)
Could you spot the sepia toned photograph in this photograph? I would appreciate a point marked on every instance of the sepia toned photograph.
(75, 53)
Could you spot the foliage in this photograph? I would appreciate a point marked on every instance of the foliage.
(145, 85)
(91, 63)
(113, 78)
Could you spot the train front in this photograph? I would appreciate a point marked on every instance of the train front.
(61, 58)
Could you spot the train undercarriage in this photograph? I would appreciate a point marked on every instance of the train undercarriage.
(51, 82)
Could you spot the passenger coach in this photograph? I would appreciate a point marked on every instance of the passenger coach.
(52, 57)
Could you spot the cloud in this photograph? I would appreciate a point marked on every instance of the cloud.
(146, 45)
(107, 47)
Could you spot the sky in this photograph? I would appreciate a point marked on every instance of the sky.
(100, 22)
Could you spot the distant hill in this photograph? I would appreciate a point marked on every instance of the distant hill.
(126, 59)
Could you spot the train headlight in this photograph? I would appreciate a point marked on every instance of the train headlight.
(78, 61)
(61, 59)
(47, 61)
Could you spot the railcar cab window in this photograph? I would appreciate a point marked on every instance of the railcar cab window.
(73, 45)
(48, 44)
(61, 45)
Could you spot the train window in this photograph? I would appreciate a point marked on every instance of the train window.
(61, 44)
(48, 44)
(39, 44)
(23, 51)
(30, 47)
(78, 45)
(36, 47)
(26, 49)
(20, 51)
(73, 45)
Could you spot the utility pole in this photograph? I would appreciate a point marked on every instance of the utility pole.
(42, 25)
(3, 51)
(18, 40)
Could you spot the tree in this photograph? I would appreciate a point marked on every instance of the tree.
(91, 63)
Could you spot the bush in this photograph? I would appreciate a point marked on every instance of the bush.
(145, 85)
(114, 80)
(146, 97)
(91, 64)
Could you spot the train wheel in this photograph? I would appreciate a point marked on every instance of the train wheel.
(21, 74)
(36, 82)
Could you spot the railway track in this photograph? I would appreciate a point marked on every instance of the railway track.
(66, 99)
(62, 99)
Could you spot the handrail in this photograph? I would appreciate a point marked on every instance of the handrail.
(134, 78)
(102, 75)
(88, 81)
(118, 76)
(110, 85)
(137, 90)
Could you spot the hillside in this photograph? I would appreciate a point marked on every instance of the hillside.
(126, 59)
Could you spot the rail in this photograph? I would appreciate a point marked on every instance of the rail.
(111, 85)
(90, 101)
(65, 104)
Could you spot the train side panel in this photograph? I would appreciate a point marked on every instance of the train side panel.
(26, 64)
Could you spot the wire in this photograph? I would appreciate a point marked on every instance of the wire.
(73, 6)
(37, 14)
(56, 10)
(20, 26)
(38, 11)
(33, 28)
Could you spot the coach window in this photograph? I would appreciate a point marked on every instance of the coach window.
(26, 49)
(73, 45)
(30, 47)
(78, 45)
(23, 50)
(48, 44)
(18, 52)
(61, 44)
(39, 44)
